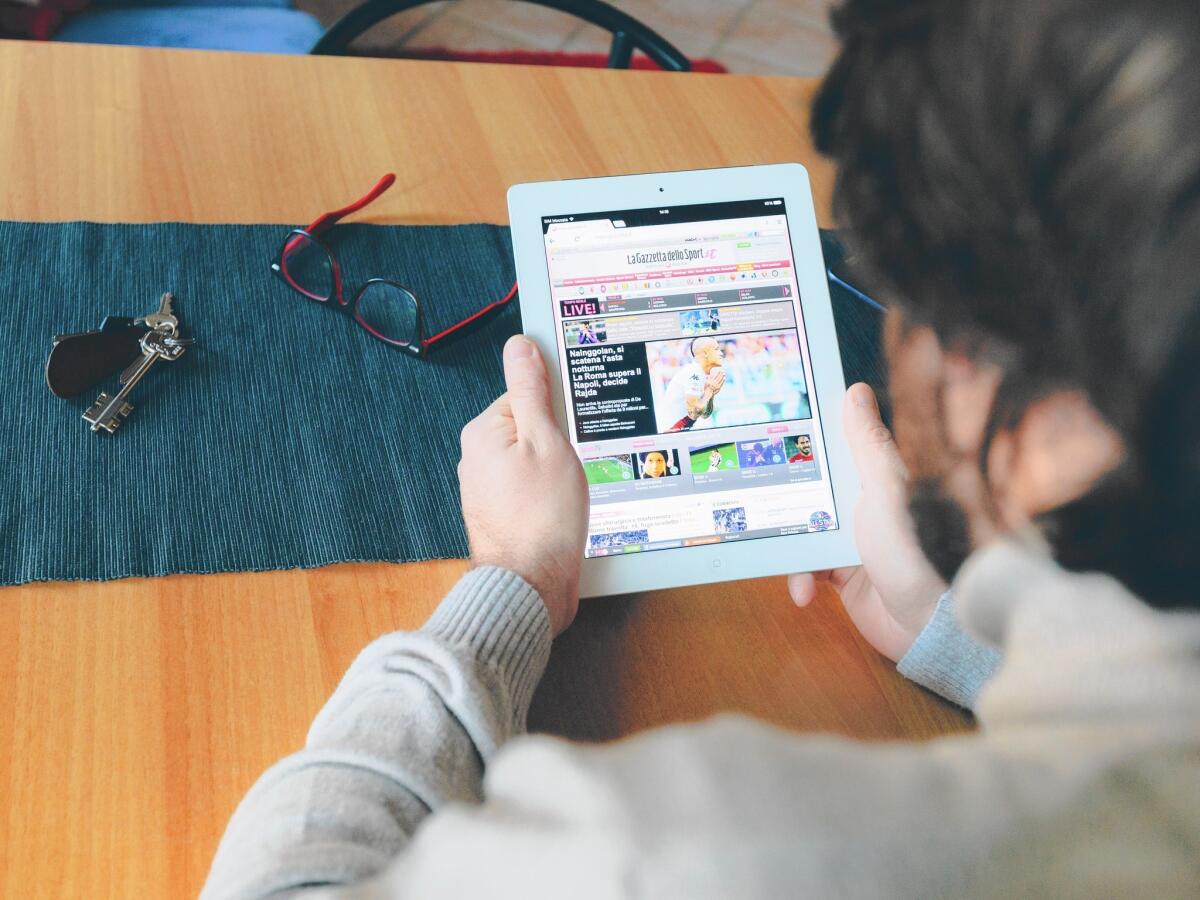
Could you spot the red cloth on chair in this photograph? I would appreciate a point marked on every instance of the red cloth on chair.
(38, 22)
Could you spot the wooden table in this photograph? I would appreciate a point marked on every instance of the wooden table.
(134, 714)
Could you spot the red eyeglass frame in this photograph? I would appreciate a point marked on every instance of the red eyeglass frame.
(326, 221)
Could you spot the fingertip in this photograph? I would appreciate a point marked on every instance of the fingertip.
(860, 396)
(802, 587)
(522, 363)
(864, 423)
(518, 347)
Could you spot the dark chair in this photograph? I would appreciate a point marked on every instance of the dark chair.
(628, 33)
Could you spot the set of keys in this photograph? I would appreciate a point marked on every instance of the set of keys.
(78, 361)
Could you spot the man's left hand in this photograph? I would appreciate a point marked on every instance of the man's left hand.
(524, 495)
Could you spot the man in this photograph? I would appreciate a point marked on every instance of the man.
(714, 460)
(654, 464)
(688, 400)
(586, 335)
(803, 450)
(1021, 176)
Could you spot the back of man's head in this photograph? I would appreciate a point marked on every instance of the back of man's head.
(1023, 176)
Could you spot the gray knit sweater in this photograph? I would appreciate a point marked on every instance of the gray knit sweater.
(1084, 780)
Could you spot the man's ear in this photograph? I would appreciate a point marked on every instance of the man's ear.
(968, 390)
(1059, 450)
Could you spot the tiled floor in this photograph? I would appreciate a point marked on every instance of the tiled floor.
(762, 37)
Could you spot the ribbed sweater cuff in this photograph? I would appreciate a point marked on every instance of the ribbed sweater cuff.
(502, 622)
(945, 659)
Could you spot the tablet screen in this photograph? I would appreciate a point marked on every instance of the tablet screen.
(687, 376)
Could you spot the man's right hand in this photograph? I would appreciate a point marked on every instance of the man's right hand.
(892, 595)
(524, 495)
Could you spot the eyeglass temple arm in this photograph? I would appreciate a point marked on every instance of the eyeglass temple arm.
(472, 321)
(330, 219)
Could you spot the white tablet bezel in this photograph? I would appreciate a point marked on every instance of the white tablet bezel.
(726, 561)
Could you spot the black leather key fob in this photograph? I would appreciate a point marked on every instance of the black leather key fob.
(80, 361)
(117, 323)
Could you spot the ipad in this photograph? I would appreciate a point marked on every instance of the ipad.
(685, 320)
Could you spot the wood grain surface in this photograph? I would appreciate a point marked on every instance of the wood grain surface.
(134, 714)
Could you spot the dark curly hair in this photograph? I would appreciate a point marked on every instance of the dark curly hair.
(1024, 177)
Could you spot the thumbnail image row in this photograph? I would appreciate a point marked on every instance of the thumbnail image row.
(619, 467)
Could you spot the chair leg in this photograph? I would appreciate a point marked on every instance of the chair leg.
(621, 52)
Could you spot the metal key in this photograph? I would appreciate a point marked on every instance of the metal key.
(162, 318)
(107, 412)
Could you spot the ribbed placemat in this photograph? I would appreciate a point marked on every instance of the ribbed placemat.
(286, 437)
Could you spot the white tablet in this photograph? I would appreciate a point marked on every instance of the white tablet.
(686, 323)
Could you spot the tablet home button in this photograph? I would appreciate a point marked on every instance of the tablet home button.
(716, 564)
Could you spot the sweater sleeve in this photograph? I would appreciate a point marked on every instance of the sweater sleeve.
(409, 729)
(948, 661)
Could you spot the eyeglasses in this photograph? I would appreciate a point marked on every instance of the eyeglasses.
(385, 309)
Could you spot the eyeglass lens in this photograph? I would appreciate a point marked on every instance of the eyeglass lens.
(307, 267)
(389, 312)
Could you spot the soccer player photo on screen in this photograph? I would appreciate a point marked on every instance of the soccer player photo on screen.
(722, 380)
(582, 334)
(658, 464)
(609, 469)
(692, 390)
(799, 448)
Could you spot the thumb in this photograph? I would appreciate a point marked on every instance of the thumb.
(874, 450)
(802, 587)
(528, 387)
